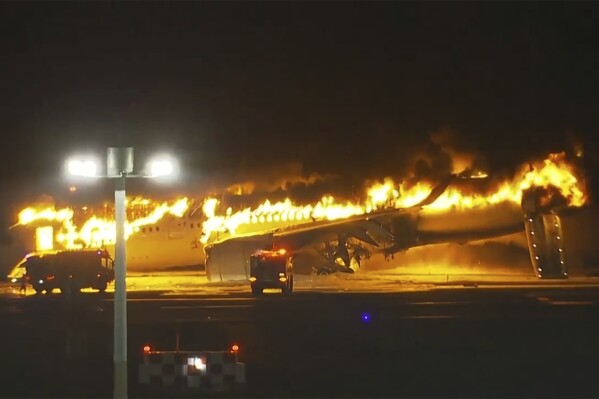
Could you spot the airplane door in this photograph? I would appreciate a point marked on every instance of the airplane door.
(175, 232)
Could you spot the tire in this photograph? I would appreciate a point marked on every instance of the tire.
(324, 271)
(257, 290)
(102, 287)
(69, 288)
(286, 290)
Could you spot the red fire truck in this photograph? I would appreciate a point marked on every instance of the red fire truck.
(271, 269)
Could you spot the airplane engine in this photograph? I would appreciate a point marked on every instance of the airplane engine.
(228, 260)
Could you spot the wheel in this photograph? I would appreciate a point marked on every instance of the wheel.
(69, 288)
(257, 290)
(102, 287)
(288, 287)
(323, 271)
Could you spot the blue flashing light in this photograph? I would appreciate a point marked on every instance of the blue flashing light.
(365, 317)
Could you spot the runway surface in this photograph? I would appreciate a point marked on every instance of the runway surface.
(466, 338)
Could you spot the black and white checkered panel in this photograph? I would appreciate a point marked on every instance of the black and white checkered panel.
(164, 369)
(224, 371)
(214, 371)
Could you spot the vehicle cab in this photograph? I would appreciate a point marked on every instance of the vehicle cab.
(271, 269)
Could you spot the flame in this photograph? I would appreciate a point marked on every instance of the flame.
(552, 172)
(29, 215)
(98, 231)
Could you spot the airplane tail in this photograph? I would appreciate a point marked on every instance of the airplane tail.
(437, 191)
(440, 188)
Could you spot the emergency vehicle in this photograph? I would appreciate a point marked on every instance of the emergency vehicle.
(70, 271)
(271, 269)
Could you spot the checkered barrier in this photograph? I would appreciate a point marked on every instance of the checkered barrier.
(213, 371)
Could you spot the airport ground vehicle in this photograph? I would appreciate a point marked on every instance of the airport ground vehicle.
(271, 269)
(70, 271)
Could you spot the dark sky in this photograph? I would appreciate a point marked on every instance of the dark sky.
(340, 87)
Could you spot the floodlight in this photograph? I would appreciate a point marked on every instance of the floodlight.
(162, 167)
(77, 167)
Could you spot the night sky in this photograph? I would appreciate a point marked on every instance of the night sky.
(235, 88)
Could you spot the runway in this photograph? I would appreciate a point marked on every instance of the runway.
(474, 339)
(477, 302)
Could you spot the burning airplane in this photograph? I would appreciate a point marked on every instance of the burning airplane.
(392, 217)
(531, 203)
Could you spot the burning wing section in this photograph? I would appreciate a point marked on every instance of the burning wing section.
(340, 246)
(316, 246)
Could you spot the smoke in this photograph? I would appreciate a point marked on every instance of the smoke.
(283, 177)
(508, 255)
(247, 179)
(429, 159)
(504, 255)
(43, 200)
(441, 153)
(445, 152)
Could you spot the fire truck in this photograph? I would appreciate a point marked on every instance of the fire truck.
(271, 269)
(70, 270)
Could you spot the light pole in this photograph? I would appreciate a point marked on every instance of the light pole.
(120, 291)
(119, 167)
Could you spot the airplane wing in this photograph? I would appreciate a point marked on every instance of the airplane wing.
(361, 227)
(295, 238)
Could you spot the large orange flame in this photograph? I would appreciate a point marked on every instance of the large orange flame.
(553, 171)
(98, 231)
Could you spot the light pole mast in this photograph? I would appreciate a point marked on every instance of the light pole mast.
(120, 163)
(119, 167)
(120, 291)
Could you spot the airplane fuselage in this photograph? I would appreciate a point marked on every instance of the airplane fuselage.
(168, 244)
